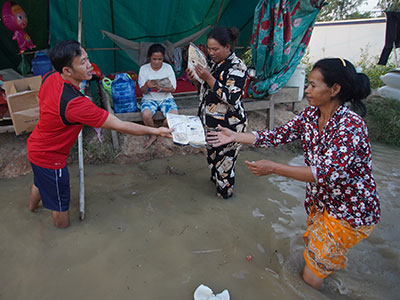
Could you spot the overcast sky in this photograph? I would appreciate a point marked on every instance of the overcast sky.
(369, 5)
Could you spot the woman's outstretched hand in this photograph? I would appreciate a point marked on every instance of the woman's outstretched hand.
(221, 137)
(261, 167)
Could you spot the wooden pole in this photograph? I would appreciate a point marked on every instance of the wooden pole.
(80, 138)
(219, 13)
(107, 106)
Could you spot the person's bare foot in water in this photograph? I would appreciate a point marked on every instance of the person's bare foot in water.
(149, 141)
(34, 198)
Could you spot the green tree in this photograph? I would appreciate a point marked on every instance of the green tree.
(342, 10)
(389, 4)
(369, 66)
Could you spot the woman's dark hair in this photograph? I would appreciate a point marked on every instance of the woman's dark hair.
(155, 48)
(354, 86)
(224, 36)
(63, 53)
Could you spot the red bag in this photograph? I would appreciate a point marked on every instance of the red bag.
(3, 103)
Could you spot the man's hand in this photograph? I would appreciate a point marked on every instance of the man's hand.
(165, 132)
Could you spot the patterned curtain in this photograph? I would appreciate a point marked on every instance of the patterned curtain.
(281, 32)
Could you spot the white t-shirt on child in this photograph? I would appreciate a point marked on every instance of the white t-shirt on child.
(147, 73)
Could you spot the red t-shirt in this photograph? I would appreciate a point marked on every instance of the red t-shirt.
(63, 111)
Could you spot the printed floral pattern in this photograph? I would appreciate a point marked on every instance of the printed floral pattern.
(281, 33)
(327, 242)
(341, 155)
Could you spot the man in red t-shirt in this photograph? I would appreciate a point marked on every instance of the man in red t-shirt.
(63, 112)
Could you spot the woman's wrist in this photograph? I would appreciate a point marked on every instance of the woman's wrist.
(235, 136)
(276, 168)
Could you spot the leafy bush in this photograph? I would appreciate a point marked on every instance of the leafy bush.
(306, 61)
(369, 66)
(247, 58)
(383, 120)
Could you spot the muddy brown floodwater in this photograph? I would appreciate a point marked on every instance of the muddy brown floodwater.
(156, 230)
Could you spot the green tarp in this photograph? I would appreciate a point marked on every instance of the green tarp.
(172, 21)
(136, 20)
(147, 21)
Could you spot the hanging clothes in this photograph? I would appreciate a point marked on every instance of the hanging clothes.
(281, 32)
(178, 60)
(392, 35)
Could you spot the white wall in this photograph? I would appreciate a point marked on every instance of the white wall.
(346, 38)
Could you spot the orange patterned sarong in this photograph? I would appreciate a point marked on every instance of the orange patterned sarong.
(327, 241)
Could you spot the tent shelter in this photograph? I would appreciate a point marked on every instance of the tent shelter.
(153, 21)
(144, 21)
(139, 21)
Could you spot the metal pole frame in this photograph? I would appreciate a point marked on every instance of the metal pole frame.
(80, 138)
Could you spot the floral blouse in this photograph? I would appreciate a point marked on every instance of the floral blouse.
(341, 159)
(223, 104)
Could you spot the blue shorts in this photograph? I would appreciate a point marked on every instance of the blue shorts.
(165, 106)
(53, 186)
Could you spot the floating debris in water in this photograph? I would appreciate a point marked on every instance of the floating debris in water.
(257, 214)
(274, 274)
(259, 247)
(249, 257)
(207, 251)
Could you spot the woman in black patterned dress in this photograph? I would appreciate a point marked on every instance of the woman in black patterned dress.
(221, 103)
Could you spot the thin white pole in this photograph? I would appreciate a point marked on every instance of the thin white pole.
(80, 139)
(395, 55)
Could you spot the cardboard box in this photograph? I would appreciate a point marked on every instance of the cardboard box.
(23, 103)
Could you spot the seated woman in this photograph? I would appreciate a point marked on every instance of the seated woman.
(342, 202)
(156, 95)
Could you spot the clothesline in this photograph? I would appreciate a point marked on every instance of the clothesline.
(117, 48)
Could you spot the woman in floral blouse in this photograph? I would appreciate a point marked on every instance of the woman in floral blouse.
(341, 198)
(221, 103)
